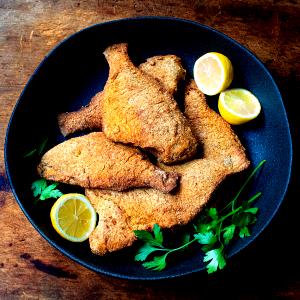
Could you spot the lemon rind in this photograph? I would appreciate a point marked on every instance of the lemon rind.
(224, 84)
(234, 113)
(54, 216)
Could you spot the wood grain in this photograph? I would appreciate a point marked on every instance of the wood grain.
(29, 267)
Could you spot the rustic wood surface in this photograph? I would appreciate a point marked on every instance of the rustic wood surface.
(30, 268)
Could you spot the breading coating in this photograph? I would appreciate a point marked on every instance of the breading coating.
(86, 118)
(140, 209)
(167, 69)
(137, 109)
(93, 161)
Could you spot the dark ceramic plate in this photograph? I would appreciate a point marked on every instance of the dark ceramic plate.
(76, 69)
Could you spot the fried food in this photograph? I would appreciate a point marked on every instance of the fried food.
(86, 118)
(93, 161)
(137, 109)
(121, 213)
(167, 69)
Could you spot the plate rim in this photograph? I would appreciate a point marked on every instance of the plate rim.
(133, 19)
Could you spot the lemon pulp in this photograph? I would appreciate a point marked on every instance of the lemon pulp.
(238, 106)
(73, 217)
(213, 73)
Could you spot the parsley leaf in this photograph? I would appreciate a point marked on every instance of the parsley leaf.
(186, 238)
(244, 232)
(213, 213)
(43, 191)
(228, 233)
(252, 210)
(38, 186)
(215, 259)
(51, 192)
(147, 237)
(208, 238)
(205, 224)
(153, 244)
(243, 219)
(157, 234)
(144, 252)
(157, 264)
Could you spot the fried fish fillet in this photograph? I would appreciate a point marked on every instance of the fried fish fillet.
(137, 109)
(121, 213)
(93, 161)
(86, 118)
(167, 69)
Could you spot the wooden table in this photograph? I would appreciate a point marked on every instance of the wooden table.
(30, 268)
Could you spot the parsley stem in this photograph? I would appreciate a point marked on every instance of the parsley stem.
(183, 246)
(246, 182)
(30, 153)
(219, 232)
(42, 146)
(254, 197)
(239, 208)
(163, 249)
(233, 201)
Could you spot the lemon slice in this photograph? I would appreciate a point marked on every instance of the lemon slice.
(73, 217)
(238, 106)
(213, 73)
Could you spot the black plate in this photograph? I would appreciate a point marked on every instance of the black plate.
(76, 69)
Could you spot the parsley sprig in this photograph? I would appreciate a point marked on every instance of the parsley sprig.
(41, 188)
(214, 231)
(39, 150)
(42, 191)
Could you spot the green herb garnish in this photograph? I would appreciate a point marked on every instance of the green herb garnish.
(39, 150)
(214, 230)
(42, 191)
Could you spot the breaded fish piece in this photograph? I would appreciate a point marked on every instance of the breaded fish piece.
(140, 209)
(93, 161)
(86, 118)
(167, 69)
(137, 109)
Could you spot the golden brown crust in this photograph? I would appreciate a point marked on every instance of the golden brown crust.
(86, 118)
(137, 109)
(216, 137)
(223, 155)
(112, 232)
(93, 161)
(167, 69)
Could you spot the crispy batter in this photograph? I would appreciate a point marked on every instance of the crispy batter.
(86, 118)
(113, 224)
(167, 69)
(223, 155)
(93, 161)
(137, 109)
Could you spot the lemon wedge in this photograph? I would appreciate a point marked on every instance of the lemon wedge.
(213, 73)
(73, 217)
(238, 106)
